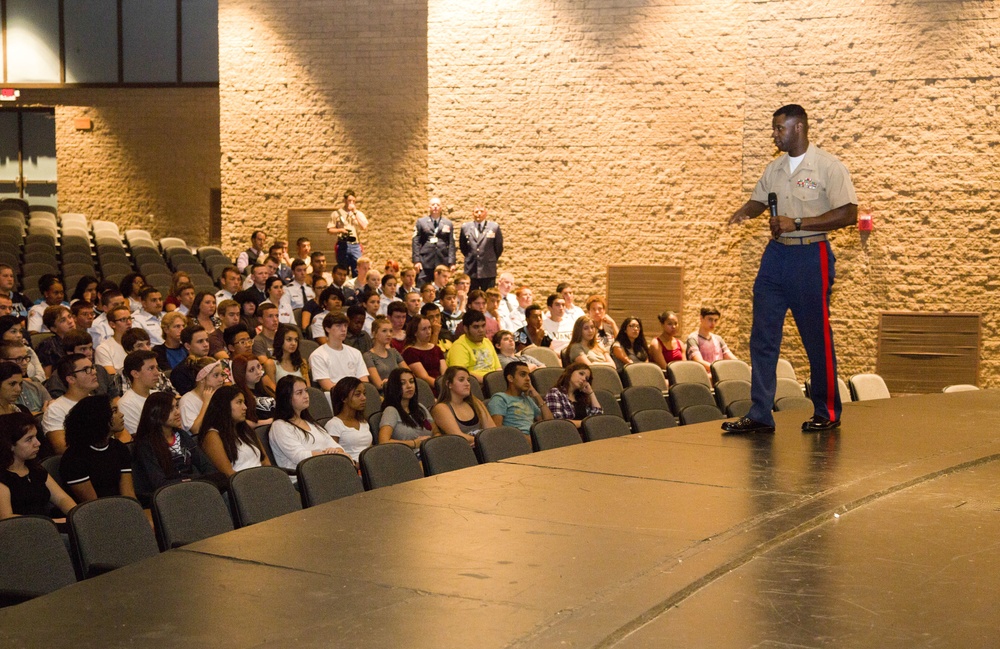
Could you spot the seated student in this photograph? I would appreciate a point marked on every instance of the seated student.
(59, 320)
(229, 315)
(412, 302)
(148, 317)
(263, 342)
(131, 287)
(19, 303)
(462, 284)
(33, 396)
(428, 293)
(442, 277)
(335, 360)
(404, 419)
(230, 282)
(136, 339)
(572, 397)
(407, 283)
(300, 293)
(457, 412)
(451, 315)
(472, 351)
(141, 370)
(277, 297)
(667, 348)
(477, 302)
(172, 352)
(704, 346)
(26, 488)
(203, 312)
(210, 377)
(357, 337)
(533, 332)
(85, 290)
(12, 330)
(371, 285)
(195, 341)
(77, 372)
(630, 344)
(348, 426)
(583, 347)
(110, 354)
(11, 378)
(238, 340)
(83, 314)
(503, 342)
(597, 309)
(96, 464)
(164, 452)
(397, 315)
(371, 304)
(439, 335)
(287, 356)
(332, 301)
(382, 358)
(228, 441)
(520, 405)
(557, 325)
(295, 435)
(517, 318)
(185, 298)
(247, 376)
(387, 293)
(423, 357)
(77, 341)
(51, 288)
(100, 330)
(248, 311)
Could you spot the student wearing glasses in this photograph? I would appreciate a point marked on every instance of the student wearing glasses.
(110, 354)
(78, 374)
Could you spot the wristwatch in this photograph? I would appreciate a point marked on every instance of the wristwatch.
(798, 224)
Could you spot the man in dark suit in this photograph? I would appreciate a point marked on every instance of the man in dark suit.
(481, 243)
(433, 242)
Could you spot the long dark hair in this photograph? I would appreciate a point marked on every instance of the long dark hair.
(81, 286)
(125, 286)
(562, 383)
(393, 396)
(340, 393)
(88, 423)
(279, 346)
(154, 417)
(219, 417)
(9, 369)
(638, 348)
(12, 428)
(411, 330)
(283, 408)
(239, 367)
(195, 311)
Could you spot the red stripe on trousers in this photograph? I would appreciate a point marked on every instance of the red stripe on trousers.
(831, 380)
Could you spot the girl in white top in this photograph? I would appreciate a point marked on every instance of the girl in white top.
(228, 441)
(288, 359)
(388, 293)
(294, 434)
(275, 289)
(348, 426)
(211, 376)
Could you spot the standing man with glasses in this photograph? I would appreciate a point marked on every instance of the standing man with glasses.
(433, 242)
(481, 243)
(80, 378)
(810, 193)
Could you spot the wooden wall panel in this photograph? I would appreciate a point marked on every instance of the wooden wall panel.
(644, 292)
(924, 352)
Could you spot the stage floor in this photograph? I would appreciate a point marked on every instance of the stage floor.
(884, 533)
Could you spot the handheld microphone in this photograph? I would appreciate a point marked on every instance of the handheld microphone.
(772, 203)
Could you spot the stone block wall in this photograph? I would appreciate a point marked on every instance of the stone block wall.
(319, 96)
(149, 162)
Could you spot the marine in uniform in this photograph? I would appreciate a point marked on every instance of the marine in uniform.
(814, 196)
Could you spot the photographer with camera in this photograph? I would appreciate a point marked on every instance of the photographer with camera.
(346, 223)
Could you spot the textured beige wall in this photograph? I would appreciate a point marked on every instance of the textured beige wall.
(149, 162)
(317, 97)
(628, 131)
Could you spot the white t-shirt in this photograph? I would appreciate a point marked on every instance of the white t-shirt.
(110, 354)
(190, 406)
(291, 445)
(247, 456)
(130, 405)
(316, 326)
(353, 440)
(329, 363)
(55, 415)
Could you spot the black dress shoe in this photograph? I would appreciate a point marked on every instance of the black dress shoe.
(818, 425)
(746, 425)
